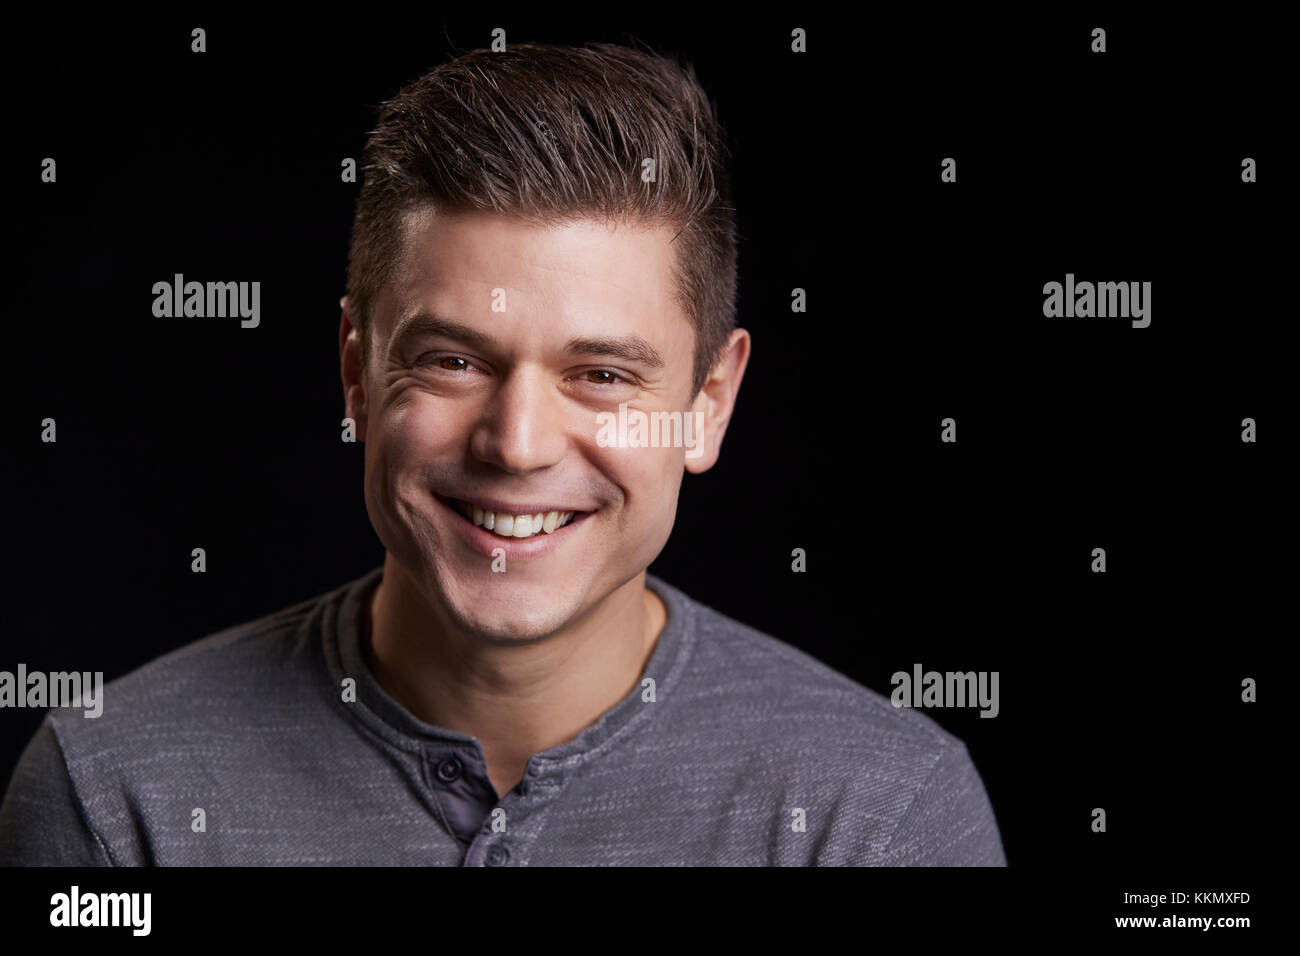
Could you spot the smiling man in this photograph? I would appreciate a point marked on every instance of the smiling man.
(544, 239)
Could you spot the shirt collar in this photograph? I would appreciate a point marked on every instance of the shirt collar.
(394, 722)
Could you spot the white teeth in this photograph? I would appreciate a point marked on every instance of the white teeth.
(516, 526)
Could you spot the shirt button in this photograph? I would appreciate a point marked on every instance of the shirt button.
(449, 770)
(497, 855)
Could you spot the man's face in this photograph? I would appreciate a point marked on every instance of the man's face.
(496, 346)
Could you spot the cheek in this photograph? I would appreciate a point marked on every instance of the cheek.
(418, 432)
(649, 479)
(403, 453)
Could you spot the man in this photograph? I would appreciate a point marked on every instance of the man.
(543, 246)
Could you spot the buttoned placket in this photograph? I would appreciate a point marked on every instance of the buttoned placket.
(456, 773)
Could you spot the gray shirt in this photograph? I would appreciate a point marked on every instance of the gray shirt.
(744, 751)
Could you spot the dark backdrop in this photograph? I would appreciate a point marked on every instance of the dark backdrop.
(1118, 690)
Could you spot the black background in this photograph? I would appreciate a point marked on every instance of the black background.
(1120, 690)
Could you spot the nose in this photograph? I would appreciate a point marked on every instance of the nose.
(522, 427)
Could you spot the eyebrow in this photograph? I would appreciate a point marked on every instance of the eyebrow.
(630, 347)
(633, 348)
(426, 323)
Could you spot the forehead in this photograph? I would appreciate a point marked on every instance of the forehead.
(570, 267)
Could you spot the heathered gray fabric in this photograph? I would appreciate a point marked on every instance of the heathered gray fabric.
(249, 724)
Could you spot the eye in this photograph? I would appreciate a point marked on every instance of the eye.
(603, 376)
(451, 363)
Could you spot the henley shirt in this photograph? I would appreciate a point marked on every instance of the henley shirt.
(744, 751)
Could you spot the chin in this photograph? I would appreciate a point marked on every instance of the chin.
(508, 627)
(505, 610)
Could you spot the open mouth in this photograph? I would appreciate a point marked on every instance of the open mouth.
(508, 525)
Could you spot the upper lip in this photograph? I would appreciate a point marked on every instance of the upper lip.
(502, 507)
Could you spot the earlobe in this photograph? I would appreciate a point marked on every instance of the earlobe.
(698, 466)
(354, 407)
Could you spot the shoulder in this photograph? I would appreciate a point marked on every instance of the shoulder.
(247, 674)
(883, 784)
(743, 668)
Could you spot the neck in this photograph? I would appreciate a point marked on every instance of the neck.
(516, 700)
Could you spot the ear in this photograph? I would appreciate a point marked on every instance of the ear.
(716, 399)
(353, 370)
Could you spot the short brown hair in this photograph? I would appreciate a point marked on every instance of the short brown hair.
(553, 134)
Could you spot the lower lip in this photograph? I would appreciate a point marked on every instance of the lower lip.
(486, 542)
